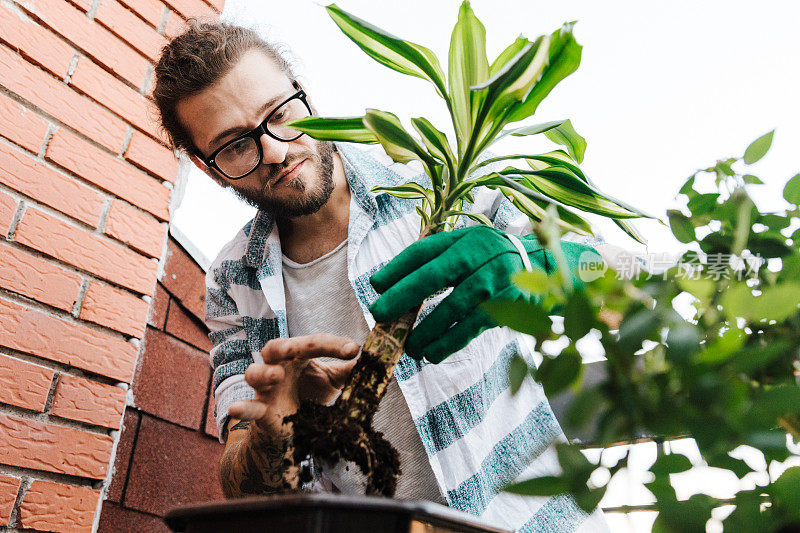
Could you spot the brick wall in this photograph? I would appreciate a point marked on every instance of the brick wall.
(85, 186)
(168, 453)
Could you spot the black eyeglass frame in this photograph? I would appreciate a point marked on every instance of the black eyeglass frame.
(256, 134)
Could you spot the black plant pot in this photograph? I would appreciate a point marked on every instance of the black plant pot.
(323, 513)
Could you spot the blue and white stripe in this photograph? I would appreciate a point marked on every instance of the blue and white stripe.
(478, 436)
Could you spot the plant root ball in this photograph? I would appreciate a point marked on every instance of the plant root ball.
(326, 433)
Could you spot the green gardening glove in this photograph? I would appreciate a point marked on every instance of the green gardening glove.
(477, 262)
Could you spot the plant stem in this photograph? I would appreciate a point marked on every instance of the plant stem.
(384, 344)
(368, 381)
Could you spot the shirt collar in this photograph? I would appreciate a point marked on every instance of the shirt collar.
(363, 173)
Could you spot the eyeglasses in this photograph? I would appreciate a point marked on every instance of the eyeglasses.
(241, 156)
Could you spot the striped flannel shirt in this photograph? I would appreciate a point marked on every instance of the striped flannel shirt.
(478, 437)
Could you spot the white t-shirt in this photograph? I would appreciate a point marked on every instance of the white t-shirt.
(320, 299)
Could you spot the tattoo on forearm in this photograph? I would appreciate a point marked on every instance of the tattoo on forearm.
(241, 424)
(249, 468)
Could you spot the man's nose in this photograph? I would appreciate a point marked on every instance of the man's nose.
(274, 150)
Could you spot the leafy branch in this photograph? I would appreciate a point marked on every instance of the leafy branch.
(727, 375)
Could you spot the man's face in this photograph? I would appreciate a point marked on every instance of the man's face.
(295, 177)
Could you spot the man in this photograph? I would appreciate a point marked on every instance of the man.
(289, 298)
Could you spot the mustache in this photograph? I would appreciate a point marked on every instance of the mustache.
(274, 169)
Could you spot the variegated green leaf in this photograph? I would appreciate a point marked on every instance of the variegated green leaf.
(407, 190)
(402, 56)
(505, 91)
(534, 129)
(529, 191)
(349, 129)
(506, 55)
(477, 217)
(565, 135)
(435, 141)
(628, 227)
(467, 65)
(564, 59)
(558, 174)
(559, 158)
(514, 80)
(535, 209)
(462, 189)
(426, 218)
(549, 162)
(554, 158)
(592, 202)
(525, 204)
(523, 84)
(396, 141)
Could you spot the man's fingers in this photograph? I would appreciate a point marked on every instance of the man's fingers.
(339, 373)
(262, 377)
(446, 270)
(458, 304)
(248, 410)
(413, 257)
(308, 347)
(456, 337)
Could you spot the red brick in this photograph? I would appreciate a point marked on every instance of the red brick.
(24, 34)
(9, 487)
(33, 444)
(187, 328)
(114, 308)
(55, 507)
(88, 401)
(26, 274)
(107, 259)
(158, 309)
(33, 332)
(95, 40)
(51, 95)
(192, 8)
(109, 173)
(130, 28)
(30, 177)
(113, 94)
(8, 207)
(136, 228)
(152, 157)
(150, 10)
(116, 519)
(21, 125)
(211, 420)
(172, 380)
(130, 428)
(24, 384)
(175, 26)
(190, 478)
(185, 280)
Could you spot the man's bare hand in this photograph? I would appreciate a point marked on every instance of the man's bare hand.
(311, 367)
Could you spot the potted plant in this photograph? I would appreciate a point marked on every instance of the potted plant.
(483, 99)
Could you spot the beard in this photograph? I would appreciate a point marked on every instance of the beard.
(310, 199)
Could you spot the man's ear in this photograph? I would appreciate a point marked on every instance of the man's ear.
(199, 163)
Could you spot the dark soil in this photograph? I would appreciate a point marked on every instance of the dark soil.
(328, 433)
(344, 430)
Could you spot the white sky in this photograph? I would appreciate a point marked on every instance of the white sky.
(664, 88)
